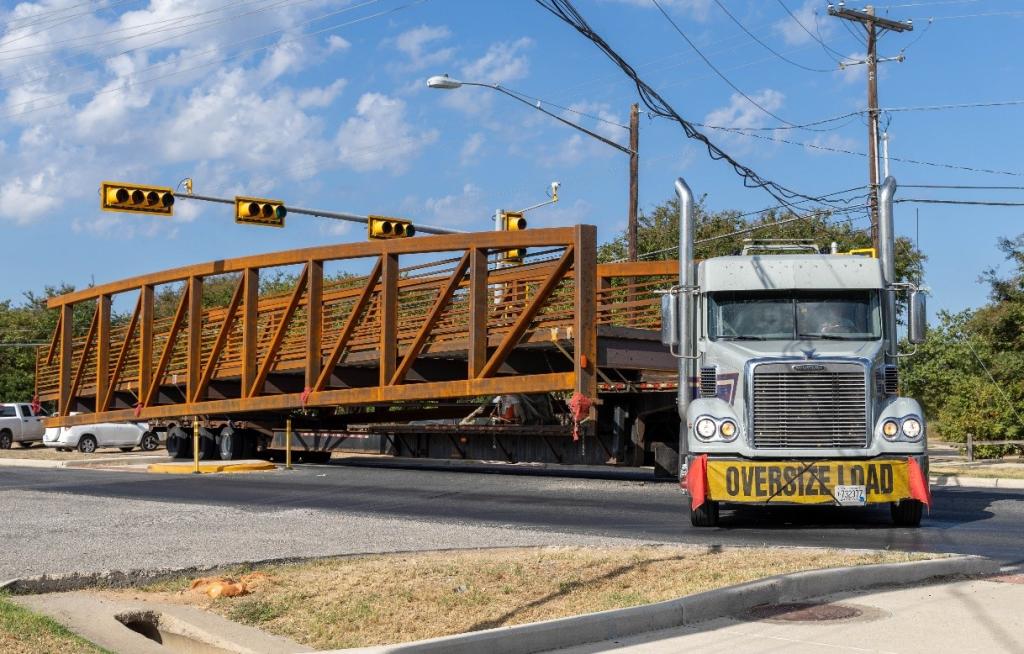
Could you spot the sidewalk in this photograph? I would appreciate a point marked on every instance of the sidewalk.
(956, 616)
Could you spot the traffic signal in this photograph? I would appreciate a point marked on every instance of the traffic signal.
(512, 221)
(136, 198)
(512, 256)
(260, 211)
(384, 227)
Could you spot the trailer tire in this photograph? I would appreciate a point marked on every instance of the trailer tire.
(207, 445)
(906, 513)
(179, 445)
(231, 444)
(706, 515)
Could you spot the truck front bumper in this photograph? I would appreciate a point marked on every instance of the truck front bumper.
(840, 482)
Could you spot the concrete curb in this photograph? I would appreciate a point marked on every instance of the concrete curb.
(959, 481)
(99, 462)
(619, 623)
(187, 468)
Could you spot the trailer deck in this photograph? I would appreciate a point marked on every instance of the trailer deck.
(435, 319)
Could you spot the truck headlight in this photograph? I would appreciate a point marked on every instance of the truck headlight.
(912, 428)
(705, 428)
(890, 428)
(728, 430)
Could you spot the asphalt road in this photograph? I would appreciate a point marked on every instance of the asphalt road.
(308, 510)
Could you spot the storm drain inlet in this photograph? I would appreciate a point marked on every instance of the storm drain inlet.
(804, 612)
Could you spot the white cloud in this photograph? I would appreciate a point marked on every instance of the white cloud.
(741, 113)
(467, 209)
(22, 200)
(414, 44)
(321, 96)
(792, 32)
(336, 43)
(503, 62)
(378, 136)
(469, 149)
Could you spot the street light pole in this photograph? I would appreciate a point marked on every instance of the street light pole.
(447, 83)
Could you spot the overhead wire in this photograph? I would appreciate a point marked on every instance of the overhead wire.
(714, 68)
(815, 146)
(658, 106)
(838, 57)
(63, 20)
(768, 47)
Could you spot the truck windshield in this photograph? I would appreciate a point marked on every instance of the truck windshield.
(794, 315)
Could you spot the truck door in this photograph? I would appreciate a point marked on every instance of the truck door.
(32, 425)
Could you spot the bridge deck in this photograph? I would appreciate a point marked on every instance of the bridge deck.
(449, 323)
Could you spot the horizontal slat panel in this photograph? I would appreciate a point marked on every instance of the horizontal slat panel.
(820, 409)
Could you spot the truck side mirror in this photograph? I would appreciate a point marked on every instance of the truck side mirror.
(670, 320)
(917, 320)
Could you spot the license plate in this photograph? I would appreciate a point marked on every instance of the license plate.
(851, 495)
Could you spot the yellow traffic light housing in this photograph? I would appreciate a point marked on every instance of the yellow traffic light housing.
(260, 211)
(512, 221)
(137, 198)
(379, 227)
(512, 256)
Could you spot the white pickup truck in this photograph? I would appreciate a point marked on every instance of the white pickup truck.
(20, 424)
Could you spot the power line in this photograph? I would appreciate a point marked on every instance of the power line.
(981, 203)
(964, 187)
(832, 53)
(658, 106)
(712, 66)
(768, 47)
(826, 148)
(61, 20)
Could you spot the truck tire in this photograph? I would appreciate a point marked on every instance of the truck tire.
(706, 515)
(87, 444)
(906, 513)
(5, 440)
(207, 445)
(231, 444)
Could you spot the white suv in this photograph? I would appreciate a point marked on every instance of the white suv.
(88, 438)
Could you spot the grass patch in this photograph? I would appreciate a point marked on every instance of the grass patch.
(24, 632)
(374, 600)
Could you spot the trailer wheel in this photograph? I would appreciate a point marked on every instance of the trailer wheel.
(179, 445)
(706, 515)
(906, 513)
(207, 445)
(230, 444)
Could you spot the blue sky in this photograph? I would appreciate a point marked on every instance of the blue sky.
(324, 104)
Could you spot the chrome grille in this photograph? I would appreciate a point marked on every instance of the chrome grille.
(821, 406)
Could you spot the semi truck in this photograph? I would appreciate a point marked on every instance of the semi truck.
(789, 376)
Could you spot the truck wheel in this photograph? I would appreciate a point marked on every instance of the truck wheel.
(87, 444)
(207, 445)
(906, 513)
(231, 444)
(150, 441)
(5, 440)
(706, 515)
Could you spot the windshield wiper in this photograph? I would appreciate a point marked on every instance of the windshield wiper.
(829, 337)
(739, 337)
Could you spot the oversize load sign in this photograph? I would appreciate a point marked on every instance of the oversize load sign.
(805, 482)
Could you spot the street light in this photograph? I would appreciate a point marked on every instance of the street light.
(447, 83)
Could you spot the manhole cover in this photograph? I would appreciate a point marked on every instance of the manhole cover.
(804, 612)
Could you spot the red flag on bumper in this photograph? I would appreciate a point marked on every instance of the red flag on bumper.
(697, 481)
(919, 489)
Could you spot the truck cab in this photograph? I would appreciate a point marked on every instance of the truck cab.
(20, 424)
(791, 360)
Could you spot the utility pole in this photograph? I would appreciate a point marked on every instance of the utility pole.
(634, 177)
(874, 26)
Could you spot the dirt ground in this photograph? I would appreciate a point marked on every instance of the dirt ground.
(373, 600)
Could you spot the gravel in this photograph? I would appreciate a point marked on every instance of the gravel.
(55, 533)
